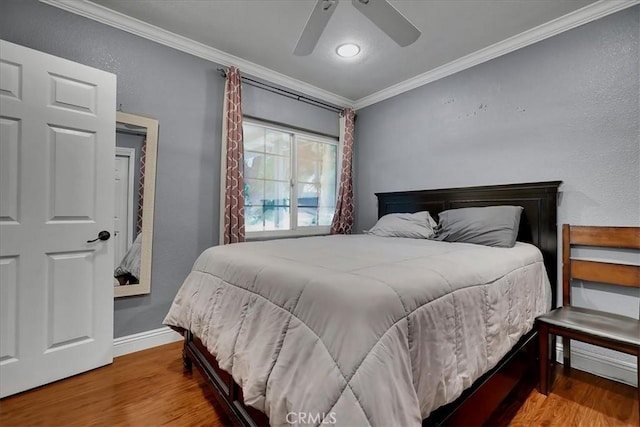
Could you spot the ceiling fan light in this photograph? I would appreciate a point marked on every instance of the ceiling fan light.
(348, 50)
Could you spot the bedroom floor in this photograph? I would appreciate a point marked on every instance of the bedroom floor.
(148, 388)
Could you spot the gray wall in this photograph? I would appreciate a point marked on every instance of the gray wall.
(566, 108)
(264, 104)
(185, 94)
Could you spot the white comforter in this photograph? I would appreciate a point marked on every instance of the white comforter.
(359, 330)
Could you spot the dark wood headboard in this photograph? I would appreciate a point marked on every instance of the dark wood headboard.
(537, 224)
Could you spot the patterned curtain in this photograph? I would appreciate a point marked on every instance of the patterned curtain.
(143, 160)
(343, 218)
(232, 188)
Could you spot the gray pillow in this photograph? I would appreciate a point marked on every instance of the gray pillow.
(489, 226)
(417, 225)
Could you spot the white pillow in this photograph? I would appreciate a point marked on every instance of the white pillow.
(417, 225)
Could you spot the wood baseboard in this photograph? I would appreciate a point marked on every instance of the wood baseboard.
(144, 340)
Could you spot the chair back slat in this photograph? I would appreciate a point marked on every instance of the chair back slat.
(604, 272)
(607, 237)
(601, 272)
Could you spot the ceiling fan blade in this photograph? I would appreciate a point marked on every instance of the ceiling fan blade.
(315, 26)
(388, 19)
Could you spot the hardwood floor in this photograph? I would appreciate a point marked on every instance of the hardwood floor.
(580, 399)
(149, 388)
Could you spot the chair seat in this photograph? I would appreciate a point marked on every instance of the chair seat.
(596, 323)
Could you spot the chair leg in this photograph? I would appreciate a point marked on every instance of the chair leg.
(543, 356)
(566, 355)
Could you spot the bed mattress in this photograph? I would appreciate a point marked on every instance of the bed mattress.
(359, 330)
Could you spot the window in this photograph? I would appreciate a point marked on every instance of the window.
(290, 181)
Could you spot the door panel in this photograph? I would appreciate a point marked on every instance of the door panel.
(58, 142)
(9, 168)
(10, 79)
(69, 299)
(73, 94)
(8, 304)
(73, 196)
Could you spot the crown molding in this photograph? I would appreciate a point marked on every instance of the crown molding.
(140, 28)
(151, 32)
(559, 25)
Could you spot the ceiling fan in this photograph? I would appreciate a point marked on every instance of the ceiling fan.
(380, 12)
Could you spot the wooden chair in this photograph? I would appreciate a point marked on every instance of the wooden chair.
(596, 327)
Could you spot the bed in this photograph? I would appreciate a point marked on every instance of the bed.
(339, 336)
(128, 271)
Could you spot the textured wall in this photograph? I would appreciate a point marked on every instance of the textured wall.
(264, 104)
(185, 94)
(566, 108)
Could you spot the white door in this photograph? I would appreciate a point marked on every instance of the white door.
(57, 139)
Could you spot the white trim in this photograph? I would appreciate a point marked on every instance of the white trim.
(126, 23)
(601, 365)
(151, 32)
(144, 340)
(559, 25)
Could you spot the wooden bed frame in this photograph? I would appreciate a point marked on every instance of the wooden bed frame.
(516, 372)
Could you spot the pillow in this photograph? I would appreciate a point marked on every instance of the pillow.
(417, 225)
(490, 226)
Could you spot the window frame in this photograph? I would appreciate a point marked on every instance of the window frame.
(295, 230)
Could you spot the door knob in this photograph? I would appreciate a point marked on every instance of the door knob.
(103, 235)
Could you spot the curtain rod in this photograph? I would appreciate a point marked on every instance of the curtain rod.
(283, 92)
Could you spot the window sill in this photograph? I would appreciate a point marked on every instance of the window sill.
(290, 234)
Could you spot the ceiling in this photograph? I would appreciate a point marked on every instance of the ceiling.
(265, 32)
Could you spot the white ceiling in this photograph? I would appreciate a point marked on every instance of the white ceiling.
(265, 33)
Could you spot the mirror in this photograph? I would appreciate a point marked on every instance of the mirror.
(135, 178)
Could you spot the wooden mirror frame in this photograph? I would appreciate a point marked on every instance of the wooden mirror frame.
(144, 287)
